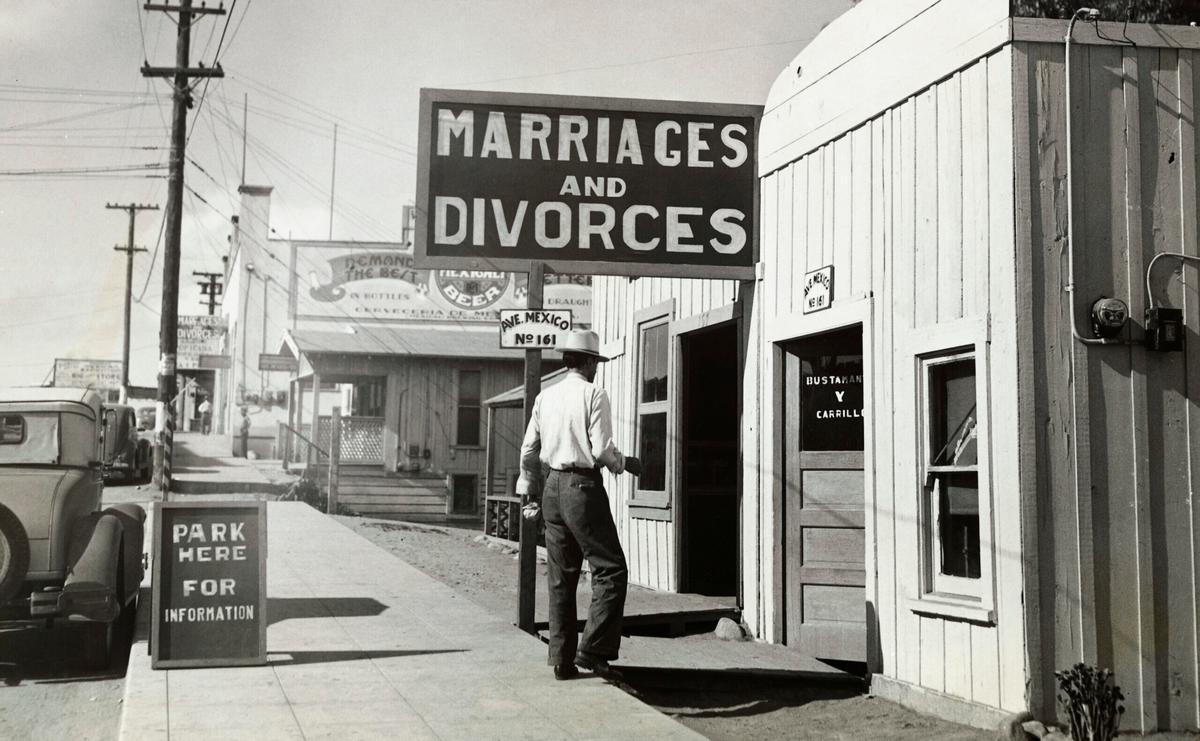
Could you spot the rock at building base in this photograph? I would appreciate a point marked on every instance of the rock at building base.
(1011, 729)
(728, 630)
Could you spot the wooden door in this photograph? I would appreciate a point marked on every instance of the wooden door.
(824, 547)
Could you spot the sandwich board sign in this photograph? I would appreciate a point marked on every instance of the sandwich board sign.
(533, 329)
(209, 585)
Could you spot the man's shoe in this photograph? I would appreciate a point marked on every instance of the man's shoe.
(565, 671)
(599, 667)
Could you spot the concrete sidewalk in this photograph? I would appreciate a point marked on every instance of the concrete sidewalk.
(203, 464)
(363, 646)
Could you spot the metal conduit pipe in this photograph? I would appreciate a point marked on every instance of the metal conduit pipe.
(1090, 14)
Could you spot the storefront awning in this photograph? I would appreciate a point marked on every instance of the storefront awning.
(448, 342)
(515, 397)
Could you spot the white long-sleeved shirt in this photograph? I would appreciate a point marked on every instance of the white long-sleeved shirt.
(571, 426)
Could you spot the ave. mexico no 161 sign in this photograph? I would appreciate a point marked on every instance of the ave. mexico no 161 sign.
(533, 329)
(586, 185)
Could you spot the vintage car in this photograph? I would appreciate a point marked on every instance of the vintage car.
(61, 555)
(127, 455)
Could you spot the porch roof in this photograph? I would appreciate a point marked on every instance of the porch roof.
(515, 397)
(447, 342)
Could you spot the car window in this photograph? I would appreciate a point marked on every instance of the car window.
(12, 429)
(38, 443)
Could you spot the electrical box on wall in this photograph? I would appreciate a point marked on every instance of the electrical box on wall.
(1164, 329)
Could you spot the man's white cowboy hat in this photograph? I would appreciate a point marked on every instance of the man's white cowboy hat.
(583, 341)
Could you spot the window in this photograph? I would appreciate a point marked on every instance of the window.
(469, 408)
(652, 407)
(12, 429)
(464, 496)
(950, 504)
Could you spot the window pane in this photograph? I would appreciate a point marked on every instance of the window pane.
(12, 429)
(465, 494)
(831, 402)
(958, 524)
(652, 449)
(654, 364)
(468, 387)
(952, 413)
(468, 425)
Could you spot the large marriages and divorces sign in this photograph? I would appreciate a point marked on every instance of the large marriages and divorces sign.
(209, 594)
(586, 185)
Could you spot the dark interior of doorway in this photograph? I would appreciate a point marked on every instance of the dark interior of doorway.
(709, 551)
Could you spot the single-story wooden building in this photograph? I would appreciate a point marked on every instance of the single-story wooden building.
(902, 444)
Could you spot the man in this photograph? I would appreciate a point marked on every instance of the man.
(245, 432)
(205, 410)
(570, 432)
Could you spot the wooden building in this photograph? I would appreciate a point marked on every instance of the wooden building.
(890, 445)
(406, 356)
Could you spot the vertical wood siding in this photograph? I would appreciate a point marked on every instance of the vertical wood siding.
(1116, 453)
(914, 208)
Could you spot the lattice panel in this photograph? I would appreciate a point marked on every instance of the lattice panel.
(362, 439)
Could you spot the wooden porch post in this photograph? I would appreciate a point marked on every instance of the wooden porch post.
(335, 456)
(299, 415)
(527, 555)
(316, 420)
(487, 473)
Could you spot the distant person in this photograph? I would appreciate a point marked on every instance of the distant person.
(205, 410)
(245, 432)
(570, 431)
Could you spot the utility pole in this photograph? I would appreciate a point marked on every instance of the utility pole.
(181, 95)
(129, 250)
(210, 289)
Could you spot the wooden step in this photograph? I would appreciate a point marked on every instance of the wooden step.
(392, 499)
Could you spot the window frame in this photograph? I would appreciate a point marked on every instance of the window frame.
(939, 594)
(458, 406)
(935, 580)
(659, 315)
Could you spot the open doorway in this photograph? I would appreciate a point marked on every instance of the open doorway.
(710, 551)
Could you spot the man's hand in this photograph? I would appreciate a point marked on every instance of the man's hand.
(633, 465)
(531, 511)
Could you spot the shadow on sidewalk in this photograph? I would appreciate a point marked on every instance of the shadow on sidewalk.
(325, 657)
(287, 608)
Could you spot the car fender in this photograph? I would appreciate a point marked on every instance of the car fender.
(133, 525)
(90, 589)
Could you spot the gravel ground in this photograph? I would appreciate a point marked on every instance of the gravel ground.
(487, 574)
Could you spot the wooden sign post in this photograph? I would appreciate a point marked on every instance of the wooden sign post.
(210, 585)
(527, 555)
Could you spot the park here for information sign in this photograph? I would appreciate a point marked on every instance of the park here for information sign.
(210, 584)
(589, 186)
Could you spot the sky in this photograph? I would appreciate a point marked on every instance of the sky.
(81, 128)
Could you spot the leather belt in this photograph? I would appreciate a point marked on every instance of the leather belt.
(579, 470)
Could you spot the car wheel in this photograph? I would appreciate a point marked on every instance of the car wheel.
(14, 554)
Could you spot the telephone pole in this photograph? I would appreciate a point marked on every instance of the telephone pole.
(210, 289)
(129, 250)
(181, 95)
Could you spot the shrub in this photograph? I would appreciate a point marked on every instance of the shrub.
(1179, 12)
(1091, 703)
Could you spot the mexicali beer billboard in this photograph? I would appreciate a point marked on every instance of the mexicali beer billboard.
(586, 185)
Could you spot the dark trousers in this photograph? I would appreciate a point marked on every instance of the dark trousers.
(579, 525)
